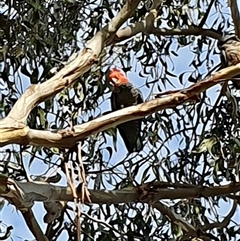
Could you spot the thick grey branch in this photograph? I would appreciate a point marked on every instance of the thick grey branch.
(146, 193)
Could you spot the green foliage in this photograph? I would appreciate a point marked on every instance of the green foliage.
(196, 143)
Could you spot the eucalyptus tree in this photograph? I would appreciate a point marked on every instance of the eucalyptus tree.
(58, 136)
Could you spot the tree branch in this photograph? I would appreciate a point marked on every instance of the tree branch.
(33, 225)
(145, 193)
(233, 4)
(141, 27)
(150, 193)
(175, 218)
(68, 75)
(225, 221)
(206, 14)
(145, 26)
(67, 139)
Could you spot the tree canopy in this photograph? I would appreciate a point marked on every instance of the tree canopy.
(56, 117)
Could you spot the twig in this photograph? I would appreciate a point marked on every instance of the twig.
(175, 218)
(33, 225)
(204, 19)
(225, 221)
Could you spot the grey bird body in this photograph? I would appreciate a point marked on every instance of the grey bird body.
(124, 96)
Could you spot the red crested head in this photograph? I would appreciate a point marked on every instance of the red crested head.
(117, 77)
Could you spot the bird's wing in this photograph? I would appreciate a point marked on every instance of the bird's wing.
(124, 96)
(114, 101)
(130, 133)
(137, 95)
